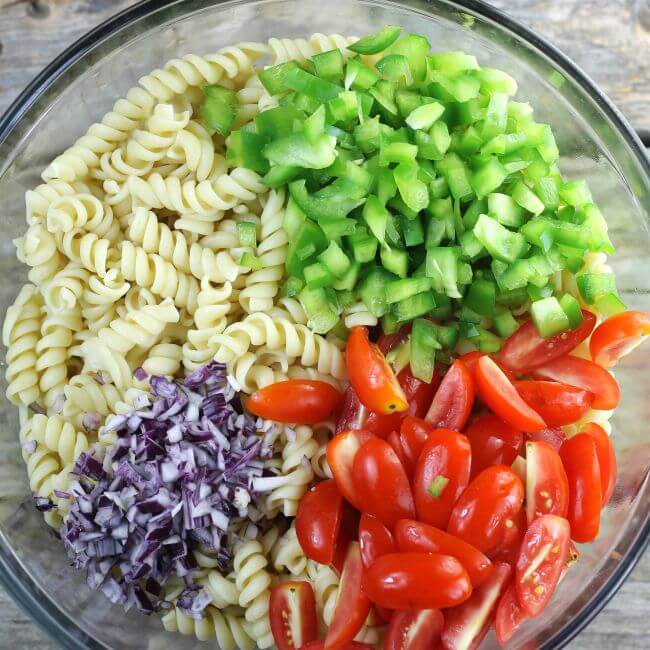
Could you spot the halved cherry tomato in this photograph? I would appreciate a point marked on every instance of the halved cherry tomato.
(375, 539)
(553, 436)
(496, 390)
(509, 615)
(493, 442)
(413, 433)
(415, 536)
(372, 378)
(413, 629)
(470, 359)
(351, 645)
(466, 625)
(417, 581)
(418, 394)
(526, 349)
(454, 399)
(580, 459)
(543, 555)
(387, 342)
(381, 484)
(352, 604)
(618, 336)
(395, 442)
(441, 475)
(305, 401)
(606, 460)
(507, 550)
(348, 533)
(493, 498)
(547, 488)
(557, 403)
(341, 451)
(292, 613)
(583, 374)
(318, 521)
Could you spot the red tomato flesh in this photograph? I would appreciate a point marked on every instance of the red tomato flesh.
(371, 376)
(586, 375)
(509, 615)
(526, 349)
(375, 539)
(547, 487)
(292, 613)
(415, 536)
(341, 451)
(352, 605)
(618, 336)
(496, 390)
(481, 513)
(414, 432)
(466, 625)
(414, 629)
(507, 550)
(351, 645)
(303, 401)
(417, 581)
(318, 521)
(606, 460)
(453, 400)
(543, 556)
(553, 436)
(381, 484)
(557, 404)
(493, 442)
(441, 474)
(395, 442)
(580, 460)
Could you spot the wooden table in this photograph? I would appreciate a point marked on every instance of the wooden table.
(610, 39)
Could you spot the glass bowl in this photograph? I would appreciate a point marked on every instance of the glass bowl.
(595, 141)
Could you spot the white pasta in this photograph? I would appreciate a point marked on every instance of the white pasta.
(288, 554)
(38, 249)
(88, 249)
(66, 287)
(99, 298)
(56, 435)
(300, 49)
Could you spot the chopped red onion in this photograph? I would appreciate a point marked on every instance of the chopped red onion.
(91, 421)
(140, 374)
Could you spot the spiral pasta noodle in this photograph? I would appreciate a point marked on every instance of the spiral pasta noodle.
(163, 359)
(87, 394)
(100, 296)
(65, 289)
(38, 249)
(288, 554)
(38, 200)
(300, 49)
(57, 435)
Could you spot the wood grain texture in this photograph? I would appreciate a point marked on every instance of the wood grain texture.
(610, 39)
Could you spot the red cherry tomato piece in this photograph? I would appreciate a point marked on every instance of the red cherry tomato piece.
(414, 629)
(580, 460)
(496, 390)
(493, 442)
(526, 349)
(586, 375)
(547, 487)
(292, 613)
(454, 399)
(372, 378)
(553, 436)
(417, 581)
(481, 513)
(375, 539)
(508, 548)
(341, 451)
(318, 521)
(558, 404)
(387, 342)
(381, 483)
(352, 605)
(351, 645)
(470, 359)
(305, 401)
(414, 432)
(395, 442)
(543, 555)
(466, 625)
(606, 460)
(509, 615)
(441, 474)
(618, 336)
(418, 537)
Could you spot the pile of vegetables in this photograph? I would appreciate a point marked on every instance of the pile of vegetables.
(180, 474)
(420, 187)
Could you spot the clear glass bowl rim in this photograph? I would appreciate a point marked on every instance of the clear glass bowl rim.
(50, 618)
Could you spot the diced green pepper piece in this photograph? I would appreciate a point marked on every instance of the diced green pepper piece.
(343, 108)
(245, 150)
(314, 125)
(364, 247)
(456, 174)
(376, 217)
(396, 152)
(442, 268)
(328, 65)
(412, 190)
(453, 62)
(496, 81)
(339, 200)
(358, 76)
(526, 198)
(549, 317)
(317, 275)
(424, 116)
(293, 219)
(487, 341)
(474, 210)
(395, 68)
(395, 260)
(609, 305)
(219, 108)
(251, 261)
(335, 260)
(488, 177)
(274, 79)
(323, 321)
(546, 189)
(372, 290)
(308, 242)
(481, 297)
(277, 122)
(313, 87)
(496, 117)
(416, 49)
(279, 175)
(504, 209)
(462, 87)
(410, 308)
(335, 227)
(378, 42)
(349, 281)
(593, 286)
(467, 142)
(572, 310)
(500, 242)
(292, 287)
(412, 231)
(405, 288)
(423, 349)
(576, 193)
(367, 135)
(247, 233)
(505, 324)
(471, 248)
(408, 100)
(298, 151)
